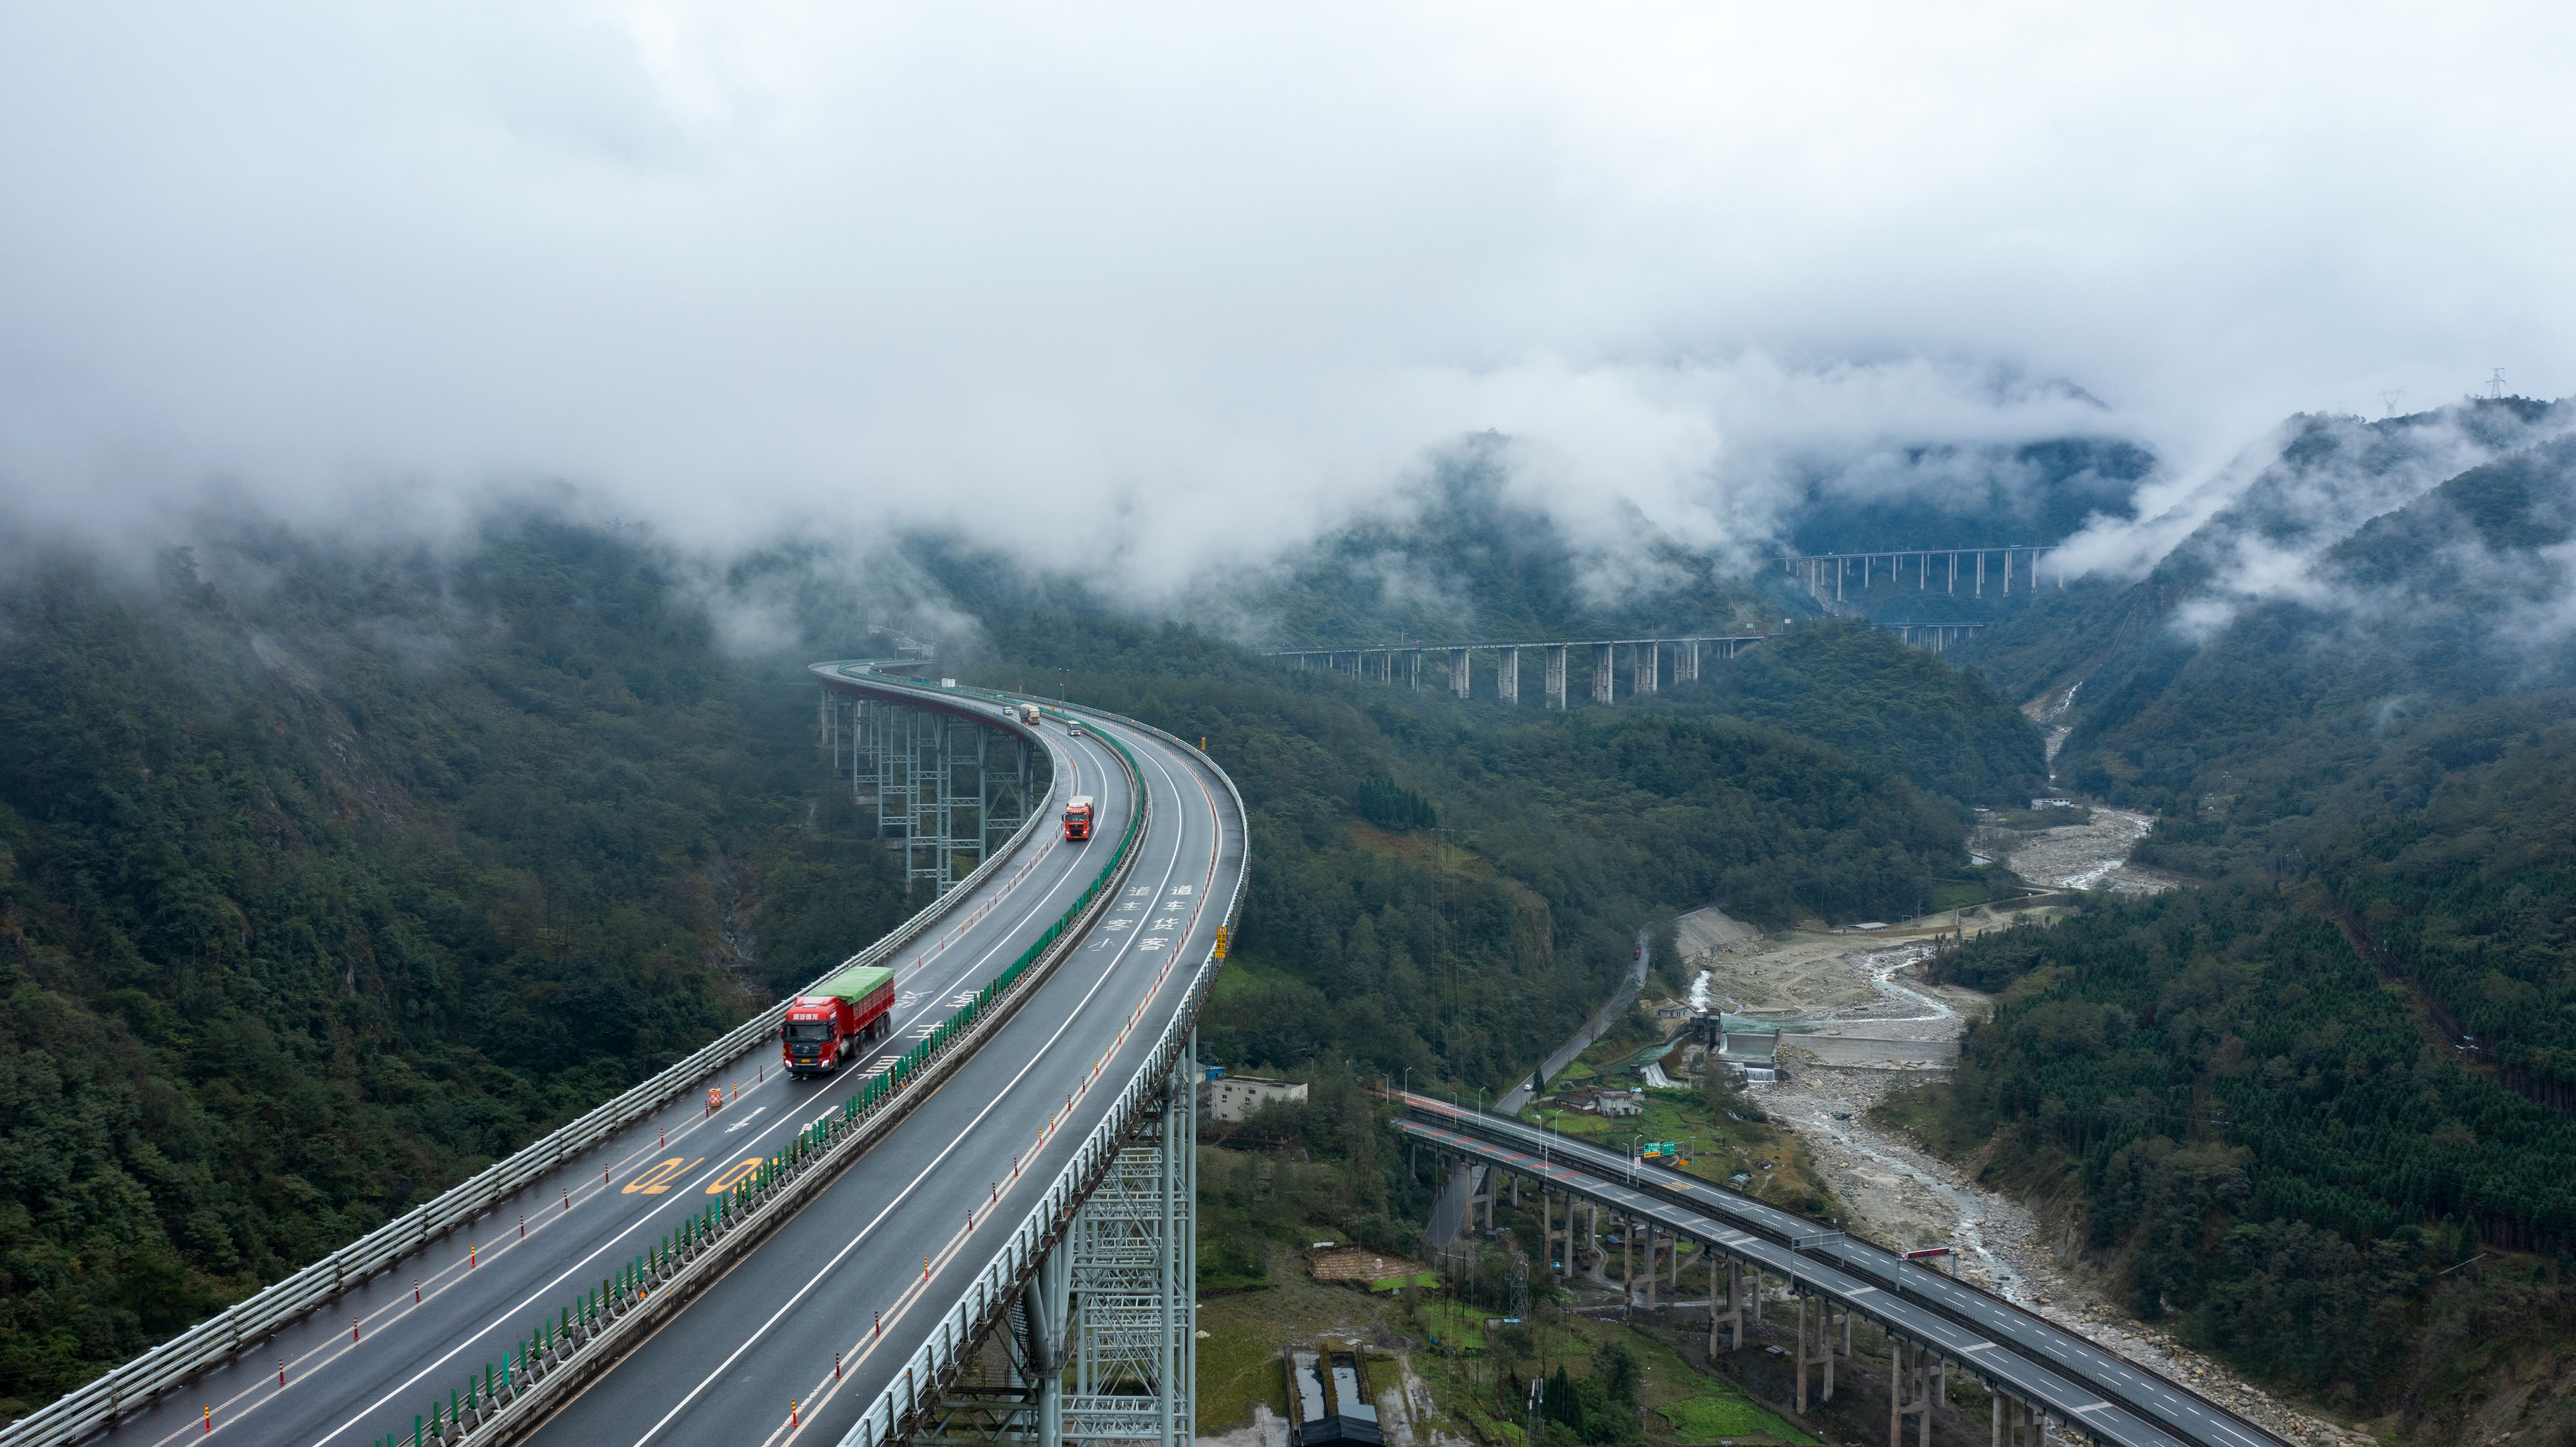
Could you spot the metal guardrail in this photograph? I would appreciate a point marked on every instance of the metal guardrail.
(966, 1320)
(123, 1389)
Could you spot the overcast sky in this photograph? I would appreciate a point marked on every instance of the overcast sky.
(1153, 286)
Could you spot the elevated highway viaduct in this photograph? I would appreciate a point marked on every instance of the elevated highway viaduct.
(928, 1212)
(384, 1334)
(1934, 1323)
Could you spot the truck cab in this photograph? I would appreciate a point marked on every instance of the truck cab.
(813, 1037)
(1078, 812)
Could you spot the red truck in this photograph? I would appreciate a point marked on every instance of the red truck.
(1077, 817)
(823, 1027)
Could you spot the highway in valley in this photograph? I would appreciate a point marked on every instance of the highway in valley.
(887, 1235)
(2098, 1393)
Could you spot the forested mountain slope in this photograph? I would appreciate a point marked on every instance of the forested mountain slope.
(1859, 688)
(2252, 619)
(328, 875)
(330, 872)
(2297, 1102)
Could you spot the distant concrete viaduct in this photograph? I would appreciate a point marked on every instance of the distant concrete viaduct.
(1651, 661)
(1827, 575)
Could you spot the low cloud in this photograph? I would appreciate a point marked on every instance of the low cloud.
(1144, 293)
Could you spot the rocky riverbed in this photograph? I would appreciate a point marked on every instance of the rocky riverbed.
(1856, 996)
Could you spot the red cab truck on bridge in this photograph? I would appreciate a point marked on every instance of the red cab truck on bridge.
(1077, 817)
(823, 1027)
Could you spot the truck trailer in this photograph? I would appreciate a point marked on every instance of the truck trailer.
(822, 1028)
(1077, 817)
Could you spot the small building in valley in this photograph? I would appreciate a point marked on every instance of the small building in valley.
(1329, 1398)
(1233, 1097)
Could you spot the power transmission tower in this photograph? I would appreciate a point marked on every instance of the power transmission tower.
(2388, 401)
(2495, 384)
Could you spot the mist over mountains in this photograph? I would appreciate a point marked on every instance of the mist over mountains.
(2370, 576)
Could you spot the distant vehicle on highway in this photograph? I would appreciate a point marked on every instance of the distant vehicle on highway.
(1077, 817)
(1073, 727)
(1029, 713)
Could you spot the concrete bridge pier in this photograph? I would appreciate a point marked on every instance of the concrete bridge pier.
(2018, 1424)
(1686, 660)
(1507, 674)
(1458, 671)
(1731, 1316)
(1916, 1381)
(1628, 1269)
(1556, 676)
(1815, 1348)
(1649, 661)
(1605, 677)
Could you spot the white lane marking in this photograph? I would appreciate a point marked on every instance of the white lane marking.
(748, 1117)
(1108, 969)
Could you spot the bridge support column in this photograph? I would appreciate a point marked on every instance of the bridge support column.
(1556, 675)
(1816, 1348)
(1413, 670)
(1909, 1390)
(1732, 1317)
(1043, 1307)
(1458, 671)
(1686, 660)
(1800, 1397)
(1507, 674)
(1134, 1279)
(1981, 573)
(1649, 661)
(1605, 675)
(1628, 1269)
